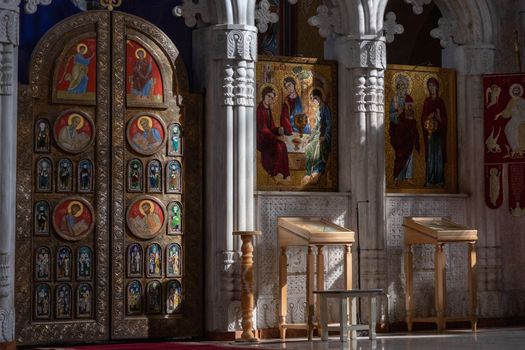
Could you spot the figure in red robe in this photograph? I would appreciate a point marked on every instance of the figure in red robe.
(270, 140)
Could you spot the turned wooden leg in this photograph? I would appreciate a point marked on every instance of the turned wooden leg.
(440, 286)
(472, 282)
(247, 295)
(320, 282)
(408, 284)
(310, 291)
(283, 292)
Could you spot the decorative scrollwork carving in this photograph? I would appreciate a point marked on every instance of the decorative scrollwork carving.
(7, 325)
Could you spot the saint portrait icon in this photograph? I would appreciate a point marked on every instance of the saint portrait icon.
(145, 217)
(173, 297)
(154, 297)
(144, 81)
(76, 78)
(145, 134)
(42, 136)
(42, 304)
(84, 300)
(74, 132)
(73, 219)
(41, 219)
(175, 141)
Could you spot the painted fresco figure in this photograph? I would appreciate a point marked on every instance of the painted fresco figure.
(65, 174)
(173, 260)
(43, 264)
(134, 297)
(154, 175)
(63, 301)
(42, 301)
(175, 218)
(142, 77)
(78, 77)
(174, 297)
(135, 259)
(84, 175)
(42, 218)
(42, 137)
(84, 300)
(154, 260)
(149, 138)
(154, 297)
(175, 139)
(64, 263)
(44, 175)
(434, 125)
(71, 136)
(149, 221)
(173, 177)
(404, 136)
(135, 175)
(515, 127)
(291, 107)
(71, 222)
(270, 140)
(84, 262)
(319, 142)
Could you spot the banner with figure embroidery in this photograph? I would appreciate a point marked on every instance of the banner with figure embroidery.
(504, 131)
(504, 123)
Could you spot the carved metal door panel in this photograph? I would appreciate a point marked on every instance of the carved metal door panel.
(104, 249)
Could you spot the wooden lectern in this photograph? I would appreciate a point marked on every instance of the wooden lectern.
(310, 231)
(438, 231)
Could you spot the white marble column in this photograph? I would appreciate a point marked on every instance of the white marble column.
(362, 62)
(8, 103)
(226, 70)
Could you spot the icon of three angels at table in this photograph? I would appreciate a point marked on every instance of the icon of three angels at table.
(297, 133)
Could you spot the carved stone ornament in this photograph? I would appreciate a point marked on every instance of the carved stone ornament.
(32, 5)
(193, 10)
(7, 319)
(444, 32)
(8, 26)
(373, 54)
(4, 274)
(417, 5)
(391, 27)
(263, 16)
(327, 20)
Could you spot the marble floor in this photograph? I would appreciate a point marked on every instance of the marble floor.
(483, 339)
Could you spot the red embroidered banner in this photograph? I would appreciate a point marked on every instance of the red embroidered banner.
(504, 118)
(494, 185)
(517, 189)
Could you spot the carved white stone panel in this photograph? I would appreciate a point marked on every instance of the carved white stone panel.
(270, 207)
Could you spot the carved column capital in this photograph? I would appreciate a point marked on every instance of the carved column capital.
(234, 42)
(8, 25)
(358, 52)
(7, 325)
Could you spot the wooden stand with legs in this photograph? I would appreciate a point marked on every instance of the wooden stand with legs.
(439, 231)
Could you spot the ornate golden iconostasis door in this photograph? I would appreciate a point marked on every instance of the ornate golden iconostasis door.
(104, 247)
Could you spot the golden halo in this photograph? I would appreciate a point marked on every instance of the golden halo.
(409, 80)
(81, 45)
(151, 205)
(70, 120)
(520, 93)
(425, 82)
(139, 124)
(71, 205)
(140, 49)
(263, 86)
